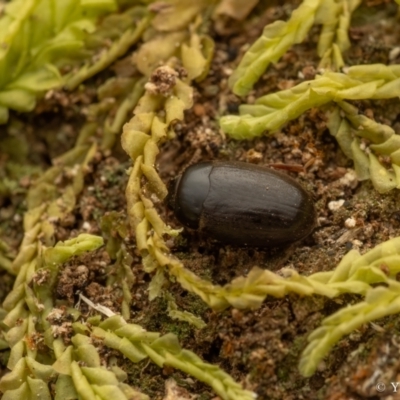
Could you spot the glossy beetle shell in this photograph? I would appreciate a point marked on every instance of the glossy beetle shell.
(242, 204)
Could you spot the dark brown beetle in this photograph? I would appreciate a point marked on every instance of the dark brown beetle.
(242, 204)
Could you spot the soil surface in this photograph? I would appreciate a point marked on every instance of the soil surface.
(259, 348)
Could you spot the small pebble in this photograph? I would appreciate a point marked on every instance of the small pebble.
(349, 179)
(335, 205)
(199, 109)
(253, 156)
(86, 226)
(394, 53)
(350, 223)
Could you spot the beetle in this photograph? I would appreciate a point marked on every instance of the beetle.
(242, 204)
